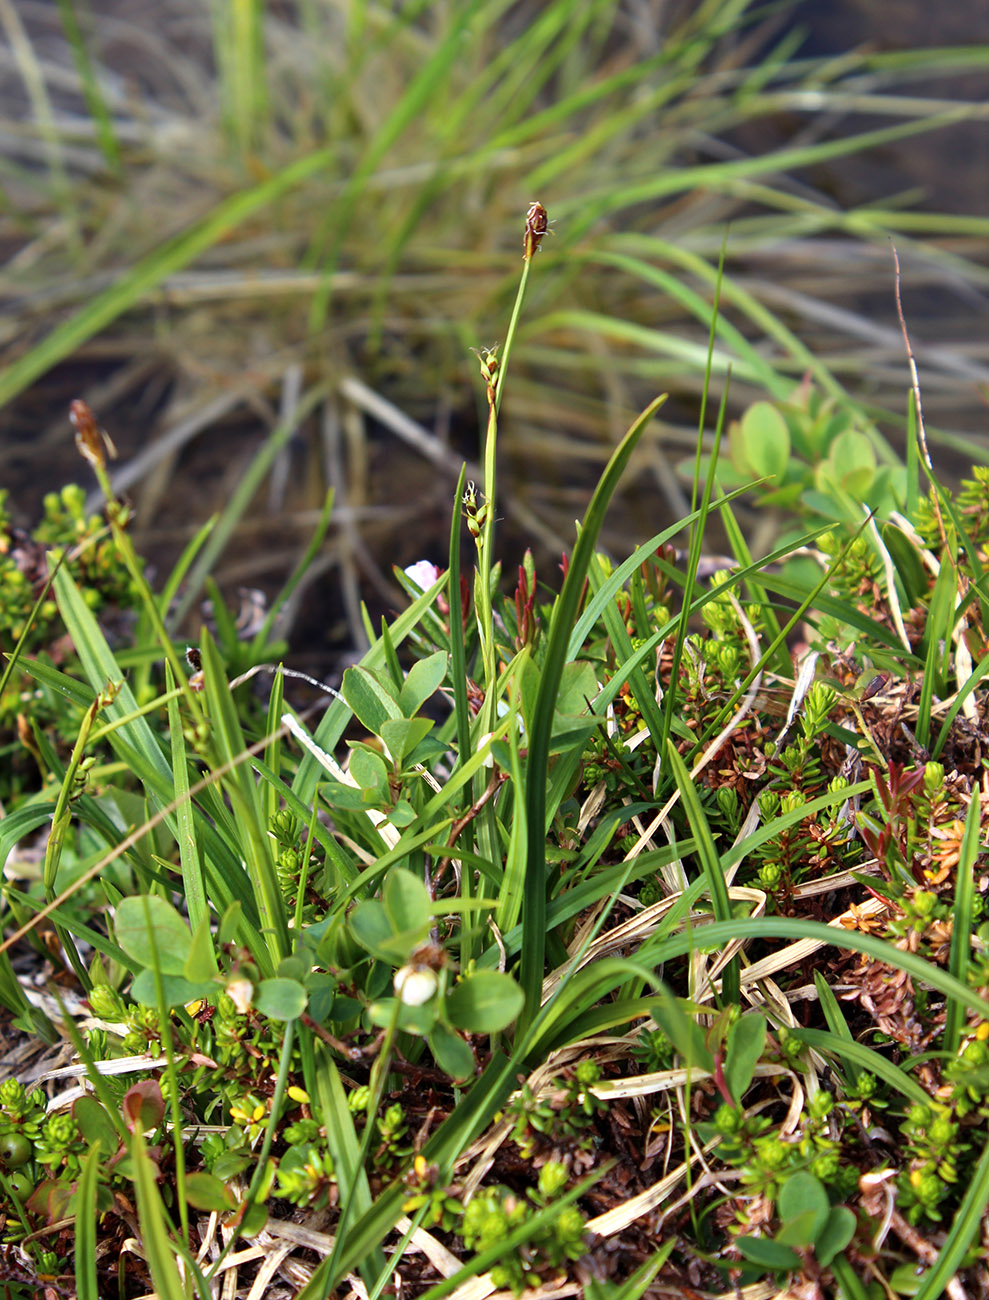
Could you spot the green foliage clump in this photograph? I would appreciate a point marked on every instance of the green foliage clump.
(92, 558)
(560, 1115)
(496, 1212)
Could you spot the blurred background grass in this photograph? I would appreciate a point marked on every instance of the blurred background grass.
(260, 240)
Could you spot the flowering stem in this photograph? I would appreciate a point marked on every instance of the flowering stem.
(493, 369)
(94, 445)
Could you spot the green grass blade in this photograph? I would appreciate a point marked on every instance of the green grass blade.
(154, 1229)
(588, 209)
(563, 619)
(710, 861)
(228, 742)
(937, 635)
(960, 955)
(193, 884)
(719, 933)
(345, 1148)
(100, 667)
(87, 1283)
(424, 85)
(832, 1011)
(92, 92)
(238, 45)
(863, 1059)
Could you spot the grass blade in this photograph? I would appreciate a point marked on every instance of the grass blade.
(564, 617)
(961, 934)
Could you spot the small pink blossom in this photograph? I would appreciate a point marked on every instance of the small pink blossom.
(423, 573)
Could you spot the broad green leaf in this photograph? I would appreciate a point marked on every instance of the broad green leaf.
(347, 798)
(95, 1124)
(743, 1048)
(168, 939)
(200, 963)
(801, 1230)
(484, 1002)
(371, 926)
(450, 1052)
(402, 735)
(768, 1254)
(369, 770)
(207, 1192)
(417, 1020)
(424, 679)
(578, 688)
(835, 1235)
(176, 989)
(910, 1279)
(760, 443)
(370, 698)
(281, 999)
(406, 901)
(803, 1208)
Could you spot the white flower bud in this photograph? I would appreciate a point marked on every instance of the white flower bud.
(415, 985)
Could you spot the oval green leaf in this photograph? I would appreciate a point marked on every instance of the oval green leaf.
(281, 999)
(148, 927)
(484, 1002)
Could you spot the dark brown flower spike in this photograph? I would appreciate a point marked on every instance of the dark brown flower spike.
(93, 442)
(536, 224)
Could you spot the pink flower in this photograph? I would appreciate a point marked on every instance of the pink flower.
(423, 573)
